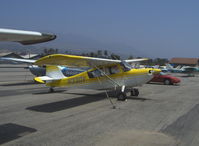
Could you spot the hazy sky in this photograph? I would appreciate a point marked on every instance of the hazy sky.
(158, 28)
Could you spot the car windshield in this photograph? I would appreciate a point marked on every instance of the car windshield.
(162, 73)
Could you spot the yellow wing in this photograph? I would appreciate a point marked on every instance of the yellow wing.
(77, 61)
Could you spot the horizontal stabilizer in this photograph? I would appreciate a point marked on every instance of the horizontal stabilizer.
(43, 79)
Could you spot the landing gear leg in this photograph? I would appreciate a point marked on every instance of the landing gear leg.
(121, 95)
(51, 90)
(134, 92)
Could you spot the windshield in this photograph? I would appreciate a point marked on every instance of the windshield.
(125, 66)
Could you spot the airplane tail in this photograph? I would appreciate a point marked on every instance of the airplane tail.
(178, 67)
(52, 73)
(169, 66)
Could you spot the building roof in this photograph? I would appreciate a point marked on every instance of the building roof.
(184, 61)
(5, 54)
(27, 56)
(10, 54)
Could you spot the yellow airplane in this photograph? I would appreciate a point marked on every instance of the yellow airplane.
(104, 74)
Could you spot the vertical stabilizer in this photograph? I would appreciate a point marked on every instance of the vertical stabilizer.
(54, 72)
(169, 66)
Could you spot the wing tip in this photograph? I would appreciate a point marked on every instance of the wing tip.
(46, 38)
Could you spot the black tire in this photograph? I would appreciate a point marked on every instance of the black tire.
(167, 82)
(121, 96)
(134, 92)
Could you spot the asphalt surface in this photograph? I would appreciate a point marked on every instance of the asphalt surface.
(162, 115)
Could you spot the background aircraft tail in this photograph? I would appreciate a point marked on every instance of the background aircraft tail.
(169, 66)
(178, 67)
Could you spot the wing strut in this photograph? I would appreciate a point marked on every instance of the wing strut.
(114, 82)
(109, 98)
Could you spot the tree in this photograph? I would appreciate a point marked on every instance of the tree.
(130, 57)
(92, 54)
(99, 53)
(115, 57)
(49, 51)
(105, 53)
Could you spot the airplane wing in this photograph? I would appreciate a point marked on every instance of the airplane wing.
(136, 60)
(74, 61)
(18, 60)
(77, 61)
(25, 37)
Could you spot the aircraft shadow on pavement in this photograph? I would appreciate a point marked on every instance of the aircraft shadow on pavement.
(187, 76)
(13, 67)
(156, 83)
(11, 131)
(112, 95)
(159, 83)
(47, 92)
(66, 104)
(138, 98)
(18, 84)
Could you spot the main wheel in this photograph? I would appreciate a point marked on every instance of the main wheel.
(121, 96)
(134, 92)
(167, 82)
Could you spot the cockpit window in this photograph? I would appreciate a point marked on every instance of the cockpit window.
(95, 73)
(114, 69)
(103, 71)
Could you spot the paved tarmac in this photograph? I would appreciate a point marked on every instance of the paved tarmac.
(162, 115)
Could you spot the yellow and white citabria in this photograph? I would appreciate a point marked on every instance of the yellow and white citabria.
(104, 74)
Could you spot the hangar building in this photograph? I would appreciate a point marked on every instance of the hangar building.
(184, 61)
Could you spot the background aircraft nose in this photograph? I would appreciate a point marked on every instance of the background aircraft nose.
(155, 71)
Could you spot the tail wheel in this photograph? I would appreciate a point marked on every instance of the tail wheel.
(121, 96)
(167, 82)
(51, 90)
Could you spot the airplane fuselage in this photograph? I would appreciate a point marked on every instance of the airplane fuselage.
(41, 71)
(105, 78)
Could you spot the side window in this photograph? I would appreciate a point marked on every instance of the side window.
(114, 69)
(106, 70)
(94, 74)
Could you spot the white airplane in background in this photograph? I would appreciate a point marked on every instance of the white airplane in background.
(24, 37)
(190, 71)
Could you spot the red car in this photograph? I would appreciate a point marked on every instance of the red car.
(165, 78)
